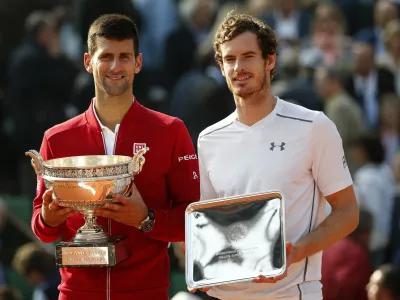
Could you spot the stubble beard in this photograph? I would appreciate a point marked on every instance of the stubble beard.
(115, 90)
(245, 96)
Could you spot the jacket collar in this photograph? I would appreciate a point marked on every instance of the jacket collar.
(132, 114)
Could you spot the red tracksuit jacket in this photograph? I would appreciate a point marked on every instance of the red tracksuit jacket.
(168, 183)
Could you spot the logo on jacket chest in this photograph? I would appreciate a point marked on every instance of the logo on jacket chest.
(138, 146)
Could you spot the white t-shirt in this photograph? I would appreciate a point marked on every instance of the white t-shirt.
(294, 150)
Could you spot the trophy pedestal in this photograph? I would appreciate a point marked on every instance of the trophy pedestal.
(92, 254)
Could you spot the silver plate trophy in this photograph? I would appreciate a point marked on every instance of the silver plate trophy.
(85, 183)
(235, 239)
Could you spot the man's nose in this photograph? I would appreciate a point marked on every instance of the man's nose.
(238, 66)
(116, 65)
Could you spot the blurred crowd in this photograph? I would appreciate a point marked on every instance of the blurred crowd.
(338, 56)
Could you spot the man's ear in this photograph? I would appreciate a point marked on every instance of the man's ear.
(138, 63)
(87, 61)
(271, 61)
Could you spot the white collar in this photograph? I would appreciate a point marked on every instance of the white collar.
(98, 120)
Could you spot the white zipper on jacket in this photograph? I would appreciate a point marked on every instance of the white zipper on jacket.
(108, 282)
(108, 296)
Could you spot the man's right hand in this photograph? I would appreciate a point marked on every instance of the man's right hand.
(53, 214)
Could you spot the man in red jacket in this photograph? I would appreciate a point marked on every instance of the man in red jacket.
(116, 123)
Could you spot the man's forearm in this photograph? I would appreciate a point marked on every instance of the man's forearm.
(43, 232)
(340, 223)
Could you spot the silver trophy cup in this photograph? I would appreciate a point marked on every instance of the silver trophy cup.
(85, 183)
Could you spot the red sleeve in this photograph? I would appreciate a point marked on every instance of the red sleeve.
(183, 187)
(42, 231)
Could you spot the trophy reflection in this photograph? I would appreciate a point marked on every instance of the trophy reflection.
(85, 183)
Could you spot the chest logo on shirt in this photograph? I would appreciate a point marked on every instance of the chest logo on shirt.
(138, 146)
(281, 146)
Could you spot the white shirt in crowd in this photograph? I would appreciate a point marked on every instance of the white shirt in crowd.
(375, 190)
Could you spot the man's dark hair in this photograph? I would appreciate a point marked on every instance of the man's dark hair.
(113, 27)
(372, 145)
(31, 257)
(236, 24)
(391, 280)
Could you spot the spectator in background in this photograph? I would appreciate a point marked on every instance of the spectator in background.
(160, 18)
(298, 81)
(255, 7)
(391, 59)
(346, 267)
(40, 82)
(394, 241)
(369, 83)
(327, 43)
(390, 125)
(384, 284)
(290, 22)
(375, 190)
(9, 293)
(3, 218)
(352, 11)
(199, 110)
(70, 42)
(384, 12)
(340, 107)
(39, 269)
(196, 21)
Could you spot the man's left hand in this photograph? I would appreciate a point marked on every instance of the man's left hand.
(291, 254)
(130, 210)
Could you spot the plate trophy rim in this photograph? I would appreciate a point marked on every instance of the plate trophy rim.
(215, 202)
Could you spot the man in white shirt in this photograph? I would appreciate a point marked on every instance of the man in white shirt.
(269, 144)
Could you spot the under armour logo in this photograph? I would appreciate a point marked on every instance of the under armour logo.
(344, 162)
(280, 146)
(195, 175)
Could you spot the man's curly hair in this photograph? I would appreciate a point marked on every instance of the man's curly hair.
(236, 24)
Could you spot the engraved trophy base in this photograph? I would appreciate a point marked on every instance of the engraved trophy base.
(106, 253)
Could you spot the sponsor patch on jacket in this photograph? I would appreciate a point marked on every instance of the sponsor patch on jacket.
(138, 146)
(187, 157)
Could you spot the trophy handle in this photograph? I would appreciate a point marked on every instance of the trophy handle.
(36, 162)
(136, 165)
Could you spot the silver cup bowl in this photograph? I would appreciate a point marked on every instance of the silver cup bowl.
(85, 183)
